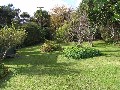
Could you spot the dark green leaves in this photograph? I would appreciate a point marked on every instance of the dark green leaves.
(81, 53)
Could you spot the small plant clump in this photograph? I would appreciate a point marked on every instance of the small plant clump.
(81, 53)
(50, 46)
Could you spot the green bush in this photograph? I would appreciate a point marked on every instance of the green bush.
(35, 34)
(10, 37)
(50, 46)
(80, 53)
(62, 33)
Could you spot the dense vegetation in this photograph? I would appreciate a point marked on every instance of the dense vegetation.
(9, 38)
(81, 53)
(91, 21)
(50, 46)
(62, 33)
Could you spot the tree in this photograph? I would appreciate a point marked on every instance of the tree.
(35, 34)
(42, 17)
(105, 14)
(7, 14)
(25, 17)
(80, 26)
(62, 33)
(17, 21)
(59, 15)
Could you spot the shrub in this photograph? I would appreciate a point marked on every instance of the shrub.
(10, 37)
(50, 46)
(62, 33)
(80, 53)
(35, 34)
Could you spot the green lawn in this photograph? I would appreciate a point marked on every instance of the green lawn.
(33, 70)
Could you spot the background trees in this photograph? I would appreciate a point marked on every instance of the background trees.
(106, 15)
(80, 28)
(91, 20)
(7, 13)
(59, 16)
(35, 34)
(42, 18)
(25, 17)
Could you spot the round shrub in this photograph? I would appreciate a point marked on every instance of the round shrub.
(50, 46)
(35, 34)
(80, 53)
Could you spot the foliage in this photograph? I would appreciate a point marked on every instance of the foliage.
(7, 14)
(80, 53)
(35, 34)
(42, 18)
(80, 26)
(25, 17)
(106, 14)
(50, 46)
(58, 17)
(102, 12)
(62, 33)
(10, 37)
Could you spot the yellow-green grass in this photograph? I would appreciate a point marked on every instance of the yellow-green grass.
(33, 70)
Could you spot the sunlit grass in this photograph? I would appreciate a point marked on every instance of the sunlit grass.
(33, 70)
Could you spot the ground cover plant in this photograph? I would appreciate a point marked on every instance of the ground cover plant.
(81, 53)
(35, 70)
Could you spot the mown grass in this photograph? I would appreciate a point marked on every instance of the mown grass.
(33, 70)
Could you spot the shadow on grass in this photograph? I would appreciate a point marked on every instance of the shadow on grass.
(7, 78)
(33, 58)
(37, 63)
(101, 45)
(111, 53)
(57, 69)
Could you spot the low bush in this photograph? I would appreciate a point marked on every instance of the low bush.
(80, 53)
(35, 34)
(50, 46)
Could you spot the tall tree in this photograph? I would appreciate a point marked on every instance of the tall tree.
(59, 14)
(16, 21)
(7, 14)
(81, 27)
(42, 17)
(25, 17)
(106, 15)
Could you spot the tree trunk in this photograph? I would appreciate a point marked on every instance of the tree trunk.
(91, 40)
(3, 54)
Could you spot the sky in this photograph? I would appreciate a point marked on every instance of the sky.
(30, 6)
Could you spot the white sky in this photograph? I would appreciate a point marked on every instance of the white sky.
(30, 6)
